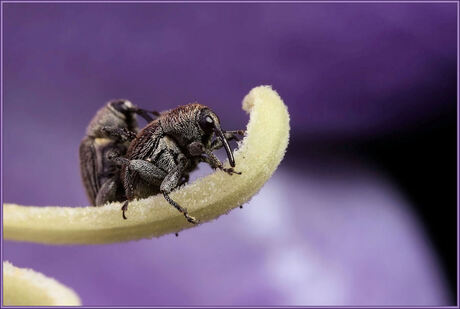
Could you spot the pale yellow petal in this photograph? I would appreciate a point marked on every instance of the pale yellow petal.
(207, 198)
(25, 287)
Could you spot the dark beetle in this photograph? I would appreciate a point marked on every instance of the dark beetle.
(110, 130)
(163, 154)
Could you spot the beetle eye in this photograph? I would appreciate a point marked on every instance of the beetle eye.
(207, 124)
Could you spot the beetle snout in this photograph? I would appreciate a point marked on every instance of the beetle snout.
(229, 152)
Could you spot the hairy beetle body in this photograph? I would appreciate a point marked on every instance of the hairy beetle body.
(163, 154)
(110, 131)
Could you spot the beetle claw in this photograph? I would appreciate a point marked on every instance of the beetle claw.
(124, 208)
(191, 219)
(231, 171)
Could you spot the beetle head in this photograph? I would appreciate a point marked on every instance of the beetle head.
(122, 106)
(209, 123)
(127, 108)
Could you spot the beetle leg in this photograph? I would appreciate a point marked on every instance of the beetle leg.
(115, 157)
(215, 163)
(181, 209)
(229, 135)
(145, 170)
(197, 148)
(171, 181)
(110, 191)
(144, 113)
(121, 134)
(230, 171)
(124, 208)
(128, 182)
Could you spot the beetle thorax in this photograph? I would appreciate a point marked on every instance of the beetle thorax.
(181, 124)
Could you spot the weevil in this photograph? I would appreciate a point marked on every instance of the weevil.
(111, 129)
(164, 153)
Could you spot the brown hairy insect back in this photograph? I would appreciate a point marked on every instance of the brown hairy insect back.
(179, 118)
(183, 122)
(136, 148)
(183, 112)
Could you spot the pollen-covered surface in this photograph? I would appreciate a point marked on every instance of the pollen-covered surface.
(258, 156)
(26, 287)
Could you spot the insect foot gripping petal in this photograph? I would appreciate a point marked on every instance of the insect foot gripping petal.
(257, 160)
(191, 219)
(124, 208)
(181, 209)
(230, 171)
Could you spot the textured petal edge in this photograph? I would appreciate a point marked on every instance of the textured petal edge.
(26, 287)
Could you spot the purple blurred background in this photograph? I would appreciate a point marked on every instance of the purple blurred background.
(362, 211)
